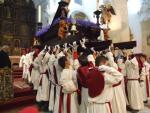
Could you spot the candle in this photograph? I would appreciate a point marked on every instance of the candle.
(39, 14)
(97, 4)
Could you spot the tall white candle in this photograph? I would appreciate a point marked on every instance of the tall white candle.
(97, 4)
(39, 14)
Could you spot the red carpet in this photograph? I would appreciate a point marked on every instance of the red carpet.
(23, 93)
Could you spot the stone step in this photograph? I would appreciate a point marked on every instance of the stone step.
(16, 102)
(23, 92)
(17, 76)
(16, 73)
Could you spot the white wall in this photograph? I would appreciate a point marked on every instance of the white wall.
(134, 23)
(85, 8)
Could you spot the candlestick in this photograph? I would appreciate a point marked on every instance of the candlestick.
(39, 14)
(97, 4)
(97, 13)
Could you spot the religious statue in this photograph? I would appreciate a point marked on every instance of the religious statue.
(107, 10)
(63, 29)
(36, 42)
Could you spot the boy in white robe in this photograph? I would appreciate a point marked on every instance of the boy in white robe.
(68, 81)
(133, 86)
(58, 91)
(145, 83)
(102, 102)
(43, 89)
(35, 74)
(21, 63)
(82, 72)
(34, 68)
(118, 101)
(27, 62)
(122, 69)
(52, 80)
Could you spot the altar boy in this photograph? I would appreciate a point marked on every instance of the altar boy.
(100, 99)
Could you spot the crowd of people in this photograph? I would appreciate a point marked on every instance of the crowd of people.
(89, 81)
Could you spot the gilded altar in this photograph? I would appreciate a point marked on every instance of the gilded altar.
(17, 24)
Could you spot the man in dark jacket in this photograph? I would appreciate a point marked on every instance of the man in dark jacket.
(4, 58)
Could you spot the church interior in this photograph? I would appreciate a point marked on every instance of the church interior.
(49, 49)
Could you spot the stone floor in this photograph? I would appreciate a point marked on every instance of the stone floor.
(146, 110)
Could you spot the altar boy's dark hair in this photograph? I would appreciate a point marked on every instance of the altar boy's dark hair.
(100, 59)
(61, 61)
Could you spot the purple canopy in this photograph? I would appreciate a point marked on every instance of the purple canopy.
(78, 22)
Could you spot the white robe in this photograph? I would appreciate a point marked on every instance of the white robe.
(22, 65)
(84, 101)
(58, 74)
(43, 89)
(101, 103)
(133, 86)
(27, 62)
(21, 62)
(52, 86)
(123, 71)
(35, 74)
(69, 82)
(146, 80)
(119, 100)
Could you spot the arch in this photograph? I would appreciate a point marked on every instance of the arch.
(79, 15)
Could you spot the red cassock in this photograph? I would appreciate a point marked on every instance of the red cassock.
(75, 55)
(95, 82)
(82, 75)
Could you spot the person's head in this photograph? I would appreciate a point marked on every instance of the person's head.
(28, 50)
(5, 48)
(64, 62)
(101, 60)
(143, 58)
(120, 60)
(131, 56)
(23, 52)
(83, 60)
